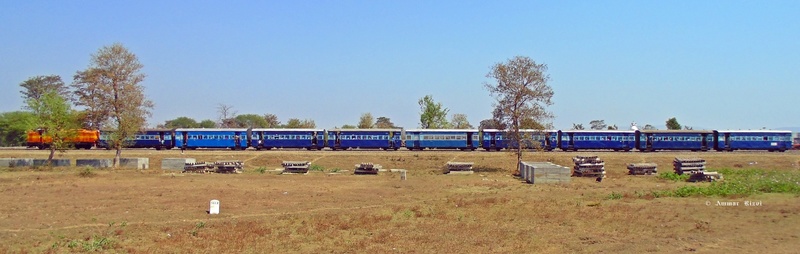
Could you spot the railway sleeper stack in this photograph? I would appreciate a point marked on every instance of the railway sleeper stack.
(459, 166)
(642, 169)
(588, 166)
(367, 168)
(689, 165)
(297, 167)
(229, 166)
(197, 167)
(544, 172)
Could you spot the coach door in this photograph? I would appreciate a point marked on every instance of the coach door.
(649, 144)
(704, 142)
(469, 140)
(727, 141)
(237, 144)
(185, 139)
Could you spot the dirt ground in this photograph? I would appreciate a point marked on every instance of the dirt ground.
(161, 211)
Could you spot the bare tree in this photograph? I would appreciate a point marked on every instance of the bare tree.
(522, 93)
(383, 123)
(649, 127)
(598, 124)
(111, 85)
(35, 87)
(92, 97)
(577, 126)
(459, 121)
(272, 121)
(366, 121)
(226, 115)
(613, 127)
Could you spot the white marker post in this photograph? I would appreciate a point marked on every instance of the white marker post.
(214, 208)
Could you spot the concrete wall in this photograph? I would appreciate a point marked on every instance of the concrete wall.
(53, 163)
(544, 172)
(137, 163)
(15, 162)
(176, 163)
(95, 163)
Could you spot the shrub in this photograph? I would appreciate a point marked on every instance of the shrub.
(674, 177)
(261, 170)
(87, 172)
(315, 167)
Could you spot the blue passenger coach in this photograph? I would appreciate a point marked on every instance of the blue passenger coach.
(617, 140)
(150, 138)
(771, 140)
(494, 139)
(364, 138)
(694, 140)
(311, 139)
(462, 139)
(193, 138)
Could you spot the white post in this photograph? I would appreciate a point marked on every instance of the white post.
(214, 207)
(403, 175)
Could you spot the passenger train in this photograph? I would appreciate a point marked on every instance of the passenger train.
(458, 139)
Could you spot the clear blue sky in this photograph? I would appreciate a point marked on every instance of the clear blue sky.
(713, 64)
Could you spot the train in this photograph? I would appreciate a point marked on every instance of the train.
(83, 139)
(455, 139)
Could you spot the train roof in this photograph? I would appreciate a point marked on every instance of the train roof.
(522, 130)
(602, 131)
(755, 131)
(676, 131)
(365, 130)
(284, 129)
(211, 129)
(442, 130)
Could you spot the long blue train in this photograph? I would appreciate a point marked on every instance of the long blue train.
(461, 139)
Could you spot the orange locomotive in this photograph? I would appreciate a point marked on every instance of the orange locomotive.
(83, 139)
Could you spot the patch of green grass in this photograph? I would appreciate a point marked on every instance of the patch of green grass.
(261, 170)
(674, 177)
(315, 167)
(743, 182)
(334, 170)
(87, 172)
(614, 196)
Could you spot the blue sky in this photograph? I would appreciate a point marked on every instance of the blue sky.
(713, 64)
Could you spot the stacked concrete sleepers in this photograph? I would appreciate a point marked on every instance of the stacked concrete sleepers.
(544, 172)
(695, 167)
(642, 169)
(229, 166)
(589, 166)
(459, 166)
(197, 167)
(367, 168)
(296, 167)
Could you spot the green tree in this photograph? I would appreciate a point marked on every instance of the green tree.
(348, 126)
(272, 121)
(366, 121)
(111, 87)
(672, 124)
(459, 121)
(35, 87)
(384, 123)
(251, 121)
(613, 127)
(181, 122)
(14, 127)
(208, 123)
(53, 113)
(490, 124)
(295, 123)
(522, 95)
(432, 114)
(598, 124)
(649, 127)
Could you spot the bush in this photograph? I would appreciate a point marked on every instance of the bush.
(315, 167)
(87, 172)
(674, 177)
(744, 182)
(261, 170)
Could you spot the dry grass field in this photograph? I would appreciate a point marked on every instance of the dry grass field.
(64, 210)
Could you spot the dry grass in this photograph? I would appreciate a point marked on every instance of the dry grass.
(156, 211)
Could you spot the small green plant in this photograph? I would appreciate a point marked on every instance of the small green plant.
(674, 177)
(334, 170)
(614, 196)
(261, 170)
(87, 172)
(197, 227)
(315, 167)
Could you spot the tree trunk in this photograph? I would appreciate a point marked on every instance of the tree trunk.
(52, 153)
(116, 157)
